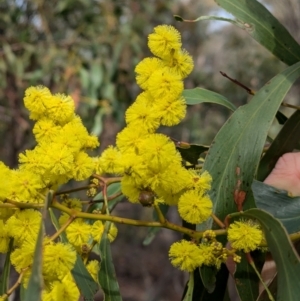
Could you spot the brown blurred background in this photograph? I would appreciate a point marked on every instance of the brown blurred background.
(89, 49)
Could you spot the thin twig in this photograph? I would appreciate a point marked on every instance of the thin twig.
(63, 228)
(284, 104)
(249, 91)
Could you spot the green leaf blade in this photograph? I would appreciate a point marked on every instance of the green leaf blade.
(190, 288)
(286, 259)
(4, 277)
(234, 155)
(107, 275)
(279, 204)
(85, 283)
(245, 277)
(200, 292)
(208, 277)
(264, 28)
(200, 95)
(36, 281)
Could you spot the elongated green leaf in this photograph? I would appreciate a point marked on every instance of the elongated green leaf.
(36, 281)
(286, 141)
(264, 28)
(200, 293)
(4, 277)
(22, 293)
(246, 280)
(243, 281)
(286, 259)
(107, 275)
(190, 288)
(86, 284)
(272, 287)
(152, 231)
(233, 157)
(279, 204)
(208, 277)
(200, 95)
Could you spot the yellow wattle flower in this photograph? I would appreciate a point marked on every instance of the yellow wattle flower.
(164, 40)
(245, 235)
(185, 255)
(195, 207)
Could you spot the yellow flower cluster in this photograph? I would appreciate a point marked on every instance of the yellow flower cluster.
(149, 163)
(244, 235)
(60, 155)
(147, 160)
(187, 255)
(58, 258)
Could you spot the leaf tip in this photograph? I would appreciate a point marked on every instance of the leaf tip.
(178, 18)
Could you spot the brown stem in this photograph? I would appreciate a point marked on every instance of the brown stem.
(284, 104)
(249, 91)
(227, 221)
(18, 282)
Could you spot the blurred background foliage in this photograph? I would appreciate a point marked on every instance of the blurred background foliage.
(89, 49)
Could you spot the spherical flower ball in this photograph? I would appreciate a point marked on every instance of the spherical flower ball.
(195, 207)
(140, 114)
(129, 139)
(78, 233)
(185, 255)
(66, 290)
(164, 40)
(245, 235)
(58, 260)
(23, 256)
(181, 63)
(145, 68)
(97, 230)
(60, 108)
(173, 110)
(24, 225)
(202, 181)
(112, 233)
(164, 83)
(93, 268)
(35, 100)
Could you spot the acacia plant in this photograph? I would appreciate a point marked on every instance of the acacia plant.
(231, 220)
